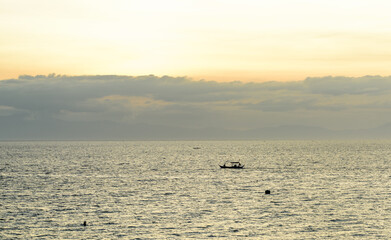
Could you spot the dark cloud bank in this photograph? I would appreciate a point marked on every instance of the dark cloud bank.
(167, 108)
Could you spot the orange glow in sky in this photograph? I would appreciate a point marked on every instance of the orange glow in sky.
(246, 40)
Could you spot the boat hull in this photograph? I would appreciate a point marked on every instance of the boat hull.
(240, 167)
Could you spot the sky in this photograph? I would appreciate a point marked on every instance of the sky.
(214, 40)
(205, 69)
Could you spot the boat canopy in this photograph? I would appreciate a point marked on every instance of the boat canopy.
(234, 164)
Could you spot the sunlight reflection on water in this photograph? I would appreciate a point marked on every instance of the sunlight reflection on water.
(157, 190)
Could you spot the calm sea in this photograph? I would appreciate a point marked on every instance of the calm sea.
(176, 190)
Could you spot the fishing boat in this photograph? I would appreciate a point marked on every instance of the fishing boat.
(232, 165)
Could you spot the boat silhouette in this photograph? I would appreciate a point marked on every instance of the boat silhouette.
(232, 165)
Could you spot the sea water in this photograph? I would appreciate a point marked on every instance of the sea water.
(176, 190)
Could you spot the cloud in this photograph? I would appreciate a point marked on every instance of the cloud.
(173, 102)
(373, 85)
(9, 111)
(116, 108)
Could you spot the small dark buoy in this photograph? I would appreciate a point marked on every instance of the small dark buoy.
(84, 223)
(267, 192)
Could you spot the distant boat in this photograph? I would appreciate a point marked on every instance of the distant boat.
(232, 165)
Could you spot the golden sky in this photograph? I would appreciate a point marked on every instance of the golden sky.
(246, 40)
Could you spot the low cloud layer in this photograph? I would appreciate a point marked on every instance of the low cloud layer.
(150, 107)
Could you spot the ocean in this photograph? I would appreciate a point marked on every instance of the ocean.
(176, 190)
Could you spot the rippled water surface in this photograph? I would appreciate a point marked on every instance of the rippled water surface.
(173, 190)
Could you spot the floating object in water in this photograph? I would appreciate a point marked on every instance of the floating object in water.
(232, 165)
(84, 223)
(267, 192)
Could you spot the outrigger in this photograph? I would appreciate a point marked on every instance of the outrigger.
(232, 165)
